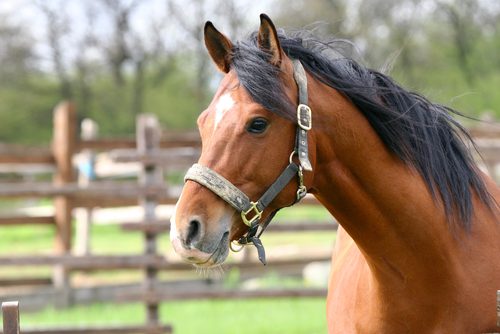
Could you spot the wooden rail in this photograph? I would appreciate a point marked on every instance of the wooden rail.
(155, 152)
(179, 157)
(15, 220)
(97, 194)
(94, 262)
(118, 262)
(25, 281)
(168, 140)
(11, 325)
(96, 189)
(221, 293)
(16, 154)
(485, 130)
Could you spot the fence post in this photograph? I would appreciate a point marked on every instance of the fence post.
(498, 308)
(86, 174)
(10, 312)
(148, 141)
(63, 148)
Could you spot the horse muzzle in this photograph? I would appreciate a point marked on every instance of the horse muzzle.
(195, 244)
(200, 258)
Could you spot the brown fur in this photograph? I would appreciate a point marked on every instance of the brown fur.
(398, 266)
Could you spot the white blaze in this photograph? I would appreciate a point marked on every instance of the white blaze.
(224, 104)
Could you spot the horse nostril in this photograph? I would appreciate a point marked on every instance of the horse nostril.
(193, 231)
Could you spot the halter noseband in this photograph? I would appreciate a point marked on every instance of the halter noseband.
(251, 212)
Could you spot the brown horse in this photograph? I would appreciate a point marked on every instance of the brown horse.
(418, 250)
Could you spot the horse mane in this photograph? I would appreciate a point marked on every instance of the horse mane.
(421, 133)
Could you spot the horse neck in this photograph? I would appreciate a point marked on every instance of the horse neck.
(382, 203)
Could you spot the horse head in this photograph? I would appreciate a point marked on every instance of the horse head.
(243, 143)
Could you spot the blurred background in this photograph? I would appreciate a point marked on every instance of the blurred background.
(117, 59)
(87, 186)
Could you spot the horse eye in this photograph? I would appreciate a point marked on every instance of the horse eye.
(257, 125)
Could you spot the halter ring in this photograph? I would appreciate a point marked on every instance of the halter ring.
(234, 243)
(291, 156)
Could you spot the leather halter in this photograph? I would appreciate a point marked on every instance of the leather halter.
(251, 212)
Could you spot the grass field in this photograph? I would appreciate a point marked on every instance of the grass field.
(283, 315)
(300, 316)
(110, 239)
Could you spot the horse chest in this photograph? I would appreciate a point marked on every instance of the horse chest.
(354, 305)
(348, 287)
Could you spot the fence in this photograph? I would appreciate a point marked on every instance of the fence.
(11, 325)
(154, 151)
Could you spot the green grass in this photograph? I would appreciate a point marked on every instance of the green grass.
(304, 212)
(21, 240)
(111, 239)
(283, 315)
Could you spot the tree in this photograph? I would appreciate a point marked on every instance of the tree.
(57, 29)
(26, 98)
(117, 50)
(84, 69)
(17, 56)
(228, 14)
(460, 18)
(325, 17)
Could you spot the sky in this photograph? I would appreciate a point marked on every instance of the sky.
(26, 13)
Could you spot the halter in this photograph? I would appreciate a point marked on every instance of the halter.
(251, 212)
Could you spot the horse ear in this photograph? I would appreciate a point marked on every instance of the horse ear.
(268, 39)
(219, 47)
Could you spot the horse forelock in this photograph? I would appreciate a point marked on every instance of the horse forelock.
(260, 78)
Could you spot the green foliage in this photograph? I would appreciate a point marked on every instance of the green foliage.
(174, 101)
(26, 111)
(442, 81)
(444, 52)
(26, 108)
(171, 99)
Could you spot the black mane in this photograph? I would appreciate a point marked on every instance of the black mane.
(419, 132)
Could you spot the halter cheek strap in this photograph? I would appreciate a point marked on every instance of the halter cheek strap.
(304, 116)
(251, 212)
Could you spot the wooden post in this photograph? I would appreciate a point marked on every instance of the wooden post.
(148, 142)
(63, 148)
(86, 167)
(498, 308)
(10, 312)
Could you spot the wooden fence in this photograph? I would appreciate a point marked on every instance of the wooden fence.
(11, 323)
(153, 150)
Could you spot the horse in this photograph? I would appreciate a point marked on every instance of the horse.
(418, 246)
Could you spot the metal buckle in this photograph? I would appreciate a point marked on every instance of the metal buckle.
(302, 190)
(255, 210)
(304, 117)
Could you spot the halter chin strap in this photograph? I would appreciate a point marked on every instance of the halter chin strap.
(251, 212)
